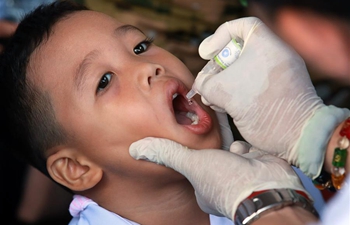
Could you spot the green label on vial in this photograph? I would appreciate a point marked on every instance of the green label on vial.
(228, 54)
(339, 157)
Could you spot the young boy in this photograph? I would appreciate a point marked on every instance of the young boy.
(78, 88)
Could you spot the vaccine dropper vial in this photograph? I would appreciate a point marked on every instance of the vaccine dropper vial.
(221, 61)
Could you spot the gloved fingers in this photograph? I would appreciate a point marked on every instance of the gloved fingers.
(246, 150)
(213, 107)
(205, 101)
(206, 85)
(279, 171)
(217, 109)
(199, 82)
(240, 147)
(158, 150)
(186, 161)
(241, 28)
(262, 155)
(254, 149)
(198, 85)
(226, 132)
(265, 157)
(213, 44)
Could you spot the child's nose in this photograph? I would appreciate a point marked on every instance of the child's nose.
(149, 72)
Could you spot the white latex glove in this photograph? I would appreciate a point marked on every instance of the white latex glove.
(221, 179)
(269, 94)
(225, 130)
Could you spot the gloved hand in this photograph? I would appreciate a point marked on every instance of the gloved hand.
(221, 179)
(225, 130)
(269, 94)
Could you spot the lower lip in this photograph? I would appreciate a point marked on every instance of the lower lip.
(204, 124)
(205, 121)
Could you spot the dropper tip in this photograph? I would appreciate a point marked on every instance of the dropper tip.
(190, 94)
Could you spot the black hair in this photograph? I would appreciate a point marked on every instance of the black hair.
(28, 124)
(333, 8)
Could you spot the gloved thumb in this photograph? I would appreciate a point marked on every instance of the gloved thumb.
(240, 147)
(246, 150)
(159, 150)
(213, 107)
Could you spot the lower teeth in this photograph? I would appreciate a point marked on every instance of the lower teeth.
(193, 117)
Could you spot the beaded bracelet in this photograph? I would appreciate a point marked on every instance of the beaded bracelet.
(324, 182)
(334, 181)
(339, 156)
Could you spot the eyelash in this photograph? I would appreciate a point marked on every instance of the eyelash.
(148, 41)
(99, 89)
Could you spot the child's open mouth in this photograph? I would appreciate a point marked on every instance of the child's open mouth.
(192, 116)
(183, 115)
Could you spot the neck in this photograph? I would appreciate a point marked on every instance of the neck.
(171, 204)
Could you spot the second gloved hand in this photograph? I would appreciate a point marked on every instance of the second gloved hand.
(268, 93)
(221, 179)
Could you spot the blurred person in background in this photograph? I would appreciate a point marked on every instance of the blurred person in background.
(319, 31)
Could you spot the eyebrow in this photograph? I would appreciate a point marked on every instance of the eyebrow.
(80, 75)
(122, 30)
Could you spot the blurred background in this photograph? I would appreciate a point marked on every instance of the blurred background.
(179, 26)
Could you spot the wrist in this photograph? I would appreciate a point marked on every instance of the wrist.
(264, 202)
(316, 134)
(290, 215)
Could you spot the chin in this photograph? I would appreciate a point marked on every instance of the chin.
(210, 141)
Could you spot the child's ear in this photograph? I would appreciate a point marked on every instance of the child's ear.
(74, 171)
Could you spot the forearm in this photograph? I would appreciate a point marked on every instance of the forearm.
(291, 215)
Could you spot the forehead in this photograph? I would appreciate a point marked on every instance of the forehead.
(70, 39)
(79, 27)
(86, 19)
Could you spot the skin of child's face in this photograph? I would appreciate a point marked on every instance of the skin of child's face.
(89, 46)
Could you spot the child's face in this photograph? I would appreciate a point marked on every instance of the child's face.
(106, 96)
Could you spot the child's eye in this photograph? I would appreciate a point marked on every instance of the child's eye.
(106, 78)
(143, 46)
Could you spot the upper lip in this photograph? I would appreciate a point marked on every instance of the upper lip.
(177, 87)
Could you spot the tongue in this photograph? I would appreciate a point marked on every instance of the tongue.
(181, 118)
